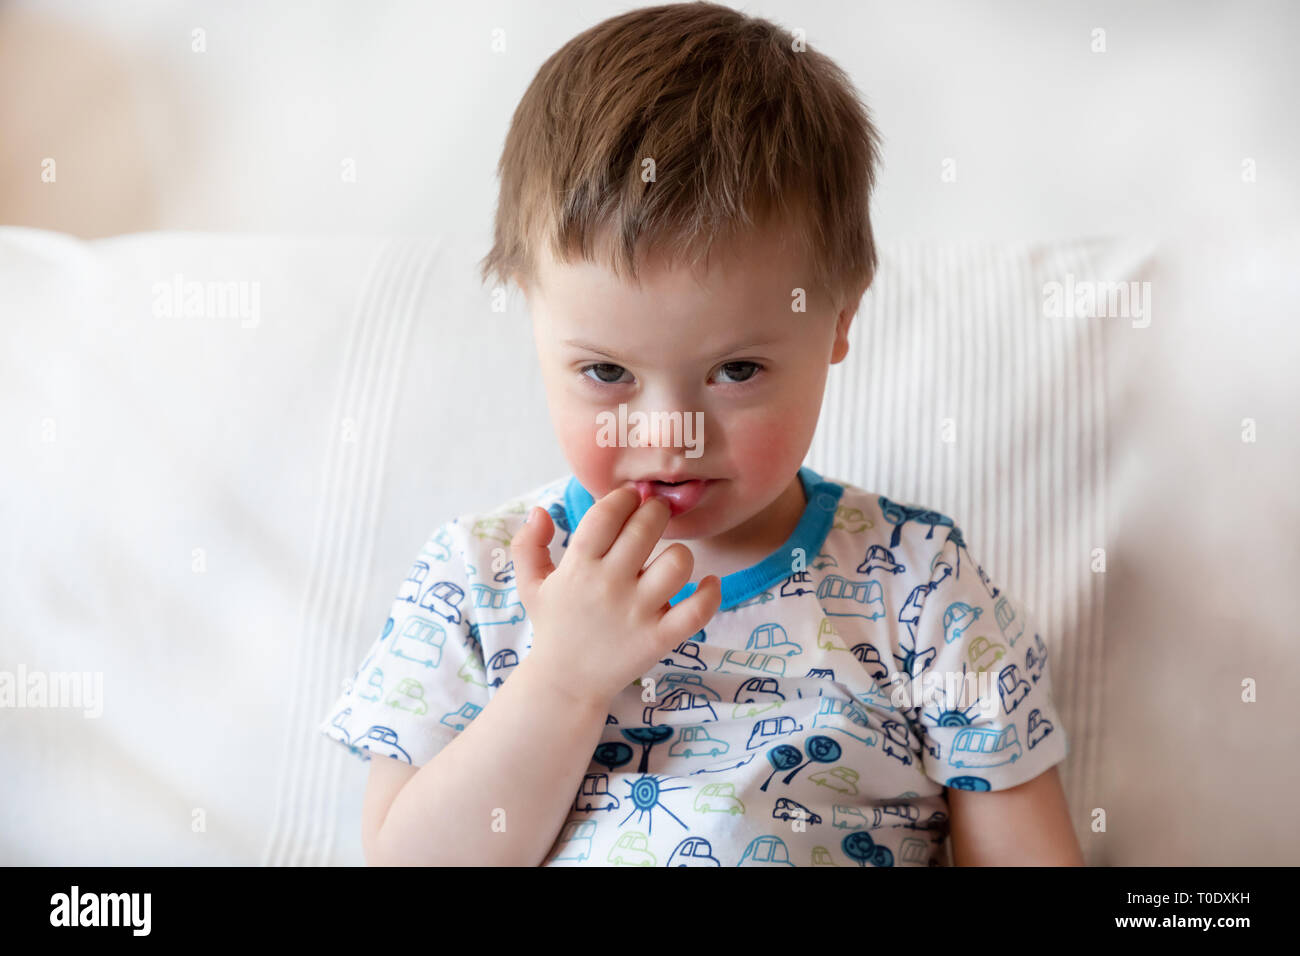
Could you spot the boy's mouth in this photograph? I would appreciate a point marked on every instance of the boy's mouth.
(680, 496)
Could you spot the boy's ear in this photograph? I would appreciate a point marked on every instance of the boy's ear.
(843, 323)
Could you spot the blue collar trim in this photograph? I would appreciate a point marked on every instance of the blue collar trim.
(819, 514)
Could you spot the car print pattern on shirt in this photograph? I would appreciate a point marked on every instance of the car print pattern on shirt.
(775, 736)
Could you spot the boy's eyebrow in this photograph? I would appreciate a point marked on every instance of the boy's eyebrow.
(576, 343)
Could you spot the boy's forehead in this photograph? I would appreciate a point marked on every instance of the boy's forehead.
(748, 284)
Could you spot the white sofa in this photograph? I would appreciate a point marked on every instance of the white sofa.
(212, 507)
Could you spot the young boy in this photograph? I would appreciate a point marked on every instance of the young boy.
(694, 651)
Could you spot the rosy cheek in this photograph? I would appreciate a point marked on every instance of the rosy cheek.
(767, 449)
(593, 465)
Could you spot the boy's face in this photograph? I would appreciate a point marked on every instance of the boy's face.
(728, 346)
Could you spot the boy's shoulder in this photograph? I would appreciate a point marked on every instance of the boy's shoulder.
(913, 549)
(893, 522)
(478, 534)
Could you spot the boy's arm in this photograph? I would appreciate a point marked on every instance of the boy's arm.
(1026, 825)
(525, 754)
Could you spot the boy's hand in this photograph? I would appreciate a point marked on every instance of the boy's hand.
(599, 621)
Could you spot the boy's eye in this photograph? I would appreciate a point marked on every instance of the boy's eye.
(617, 373)
(609, 374)
(747, 370)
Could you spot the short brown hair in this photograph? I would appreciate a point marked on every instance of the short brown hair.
(738, 123)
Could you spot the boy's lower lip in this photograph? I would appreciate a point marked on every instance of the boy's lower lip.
(679, 498)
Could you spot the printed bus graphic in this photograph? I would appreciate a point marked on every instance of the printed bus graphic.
(844, 598)
(410, 590)
(504, 602)
(421, 640)
(984, 747)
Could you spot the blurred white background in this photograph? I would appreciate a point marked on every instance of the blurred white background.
(1050, 138)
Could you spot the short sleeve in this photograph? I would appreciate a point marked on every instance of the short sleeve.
(423, 679)
(987, 720)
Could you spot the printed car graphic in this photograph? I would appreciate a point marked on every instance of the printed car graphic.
(772, 639)
(756, 695)
(880, 558)
(930, 745)
(374, 687)
(870, 658)
(692, 682)
(745, 662)
(491, 529)
(824, 560)
(687, 655)
(410, 589)
(1012, 688)
(574, 842)
(876, 699)
(766, 851)
(1036, 659)
(983, 654)
(718, 798)
(798, 583)
(383, 741)
(506, 575)
(910, 612)
(771, 729)
(957, 618)
(1039, 727)
(594, 794)
(828, 638)
(787, 809)
(841, 779)
(679, 706)
(693, 851)
(632, 849)
(695, 742)
(444, 599)
(1007, 620)
(832, 710)
(844, 817)
(408, 695)
(896, 743)
(894, 815)
(458, 719)
(851, 519)
(500, 666)
(339, 723)
(914, 852)
(822, 857)
(472, 671)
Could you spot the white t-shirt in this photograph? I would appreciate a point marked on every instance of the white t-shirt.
(787, 731)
